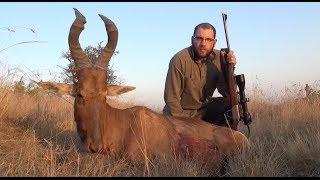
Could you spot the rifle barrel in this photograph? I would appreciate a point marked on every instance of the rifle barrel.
(224, 17)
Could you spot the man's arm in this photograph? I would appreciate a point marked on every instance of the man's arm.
(222, 85)
(173, 90)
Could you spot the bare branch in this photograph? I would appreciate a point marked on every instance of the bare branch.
(24, 42)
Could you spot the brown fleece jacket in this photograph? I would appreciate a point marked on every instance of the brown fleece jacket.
(189, 83)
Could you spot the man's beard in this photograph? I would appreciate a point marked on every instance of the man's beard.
(197, 55)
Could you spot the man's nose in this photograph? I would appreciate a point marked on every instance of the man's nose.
(203, 42)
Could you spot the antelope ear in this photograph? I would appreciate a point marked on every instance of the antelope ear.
(59, 88)
(113, 90)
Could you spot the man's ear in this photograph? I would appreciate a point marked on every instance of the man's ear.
(215, 42)
(113, 90)
(192, 40)
(59, 88)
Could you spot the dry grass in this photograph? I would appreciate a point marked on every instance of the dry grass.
(284, 140)
(38, 138)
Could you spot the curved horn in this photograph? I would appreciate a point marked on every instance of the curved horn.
(107, 52)
(77, 54)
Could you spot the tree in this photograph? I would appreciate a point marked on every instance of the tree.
(93, 53)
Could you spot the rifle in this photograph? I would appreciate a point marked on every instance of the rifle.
(245, 115)
(232, 83)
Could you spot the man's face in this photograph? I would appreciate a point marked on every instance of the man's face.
(203, 42)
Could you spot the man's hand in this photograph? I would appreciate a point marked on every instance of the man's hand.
(231, 58)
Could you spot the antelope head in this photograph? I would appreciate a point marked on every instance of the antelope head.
(90, 88)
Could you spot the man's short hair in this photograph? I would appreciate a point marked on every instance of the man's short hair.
(205, 26)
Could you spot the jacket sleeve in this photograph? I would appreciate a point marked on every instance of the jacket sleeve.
(173, 90)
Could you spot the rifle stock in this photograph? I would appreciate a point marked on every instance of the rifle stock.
(233, 97)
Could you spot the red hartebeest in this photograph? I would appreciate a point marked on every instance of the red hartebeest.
(137, 131)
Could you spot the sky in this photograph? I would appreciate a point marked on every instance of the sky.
(276, 44)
